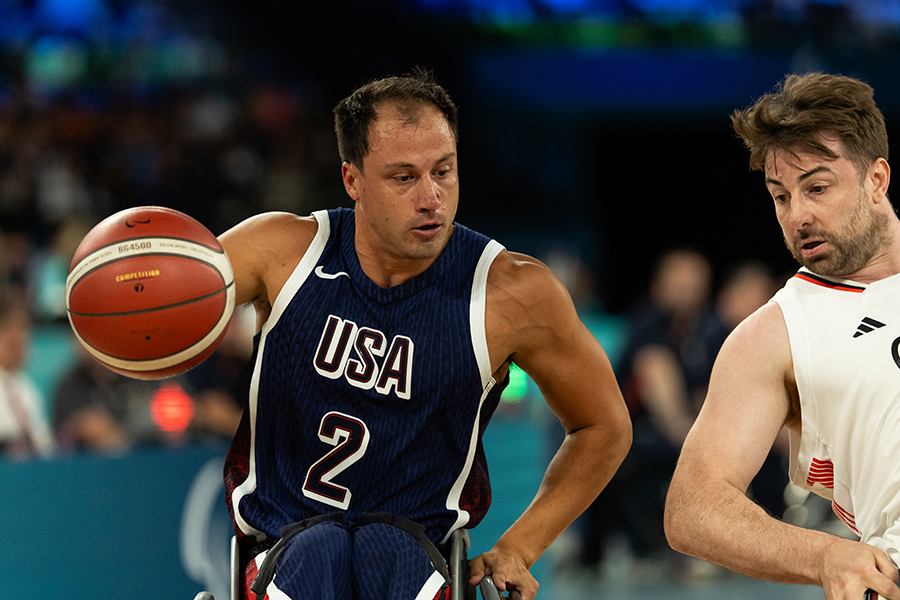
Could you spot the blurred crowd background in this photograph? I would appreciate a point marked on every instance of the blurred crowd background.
(594, 135)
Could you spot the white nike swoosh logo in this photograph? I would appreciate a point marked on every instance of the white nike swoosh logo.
(324, 275)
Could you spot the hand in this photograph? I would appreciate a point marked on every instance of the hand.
(850, 568)
(508, 572)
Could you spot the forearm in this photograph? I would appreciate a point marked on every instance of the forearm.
(718, 523)
(581, 468)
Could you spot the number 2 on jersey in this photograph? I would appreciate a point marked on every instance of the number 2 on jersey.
(350, 438)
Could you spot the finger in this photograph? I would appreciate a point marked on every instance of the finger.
(477, 570)
(477, 566)
(882, 585)
(882, 591)
(885, 566)
(500, 580)
(523, 592)
(522, 587)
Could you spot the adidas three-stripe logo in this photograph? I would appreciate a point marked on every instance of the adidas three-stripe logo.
(868, 324)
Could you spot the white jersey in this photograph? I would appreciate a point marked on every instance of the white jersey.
(844, 340)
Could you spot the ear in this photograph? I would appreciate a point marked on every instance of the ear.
(880, 176)
(352, 180)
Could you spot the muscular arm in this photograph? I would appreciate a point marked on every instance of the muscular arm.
(708, 514)
(263, 251)
(532, 321)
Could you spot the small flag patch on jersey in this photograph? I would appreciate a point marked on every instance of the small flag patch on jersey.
(848, 519)
(868, 324)
(821, 471)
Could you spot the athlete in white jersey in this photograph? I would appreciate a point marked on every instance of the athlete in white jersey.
(844, 340)
(820, 359)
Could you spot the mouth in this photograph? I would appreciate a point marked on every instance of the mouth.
(428, 227)
(427, 231)
(811, 247)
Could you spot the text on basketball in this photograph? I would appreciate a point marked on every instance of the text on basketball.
(135, 246)
(137, 275)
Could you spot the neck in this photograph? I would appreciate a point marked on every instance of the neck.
(387, 271)
(885, 262)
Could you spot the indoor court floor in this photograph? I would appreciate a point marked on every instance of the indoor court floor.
(721, 585)
(736, 588)
(676, 577)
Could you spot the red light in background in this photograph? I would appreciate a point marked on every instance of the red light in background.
(172, 409)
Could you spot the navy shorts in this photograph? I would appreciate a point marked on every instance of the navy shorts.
(336, 560)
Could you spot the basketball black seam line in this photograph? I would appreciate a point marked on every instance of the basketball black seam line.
(147, 360)
(154, 309)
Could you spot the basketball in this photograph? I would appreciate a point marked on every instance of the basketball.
(150, 292)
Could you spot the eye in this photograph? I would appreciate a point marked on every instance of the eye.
(818, 189)
(403, 178)
(780, 198)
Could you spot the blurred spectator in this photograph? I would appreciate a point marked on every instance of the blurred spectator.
(97, 409)
(220, 385)
(674, 339)
(92, 407)
(663, 371)
(51, 268)
(24, 431)
(16, 252)
(748, 286)
(675, 336)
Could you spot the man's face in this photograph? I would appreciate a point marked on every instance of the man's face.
(825, 210)
(407, 195)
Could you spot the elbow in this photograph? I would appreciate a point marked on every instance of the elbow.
(625, 437)
(677, 523)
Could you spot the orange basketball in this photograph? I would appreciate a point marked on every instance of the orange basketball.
(150, 292)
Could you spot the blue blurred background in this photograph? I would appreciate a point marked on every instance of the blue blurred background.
(594, 135)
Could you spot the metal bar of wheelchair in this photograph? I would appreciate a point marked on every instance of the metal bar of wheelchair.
(459, 574)
(459, 564)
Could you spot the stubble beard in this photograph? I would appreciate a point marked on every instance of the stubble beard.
(849, 251)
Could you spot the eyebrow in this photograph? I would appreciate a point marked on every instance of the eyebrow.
(803, 176)
(403, 165)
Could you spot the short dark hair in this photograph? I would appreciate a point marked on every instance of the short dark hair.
(803, 107)
(354, 114)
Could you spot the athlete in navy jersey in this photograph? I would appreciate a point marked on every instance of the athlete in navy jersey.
(386, 333)
(344, 359)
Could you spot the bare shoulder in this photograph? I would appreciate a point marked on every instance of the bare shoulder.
(527, 306)
(531, 321)
(758, 353)
(524, 288)
(264, 249)
(273, 229)
(762, 336)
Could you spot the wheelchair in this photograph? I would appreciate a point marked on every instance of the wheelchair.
(457, 560)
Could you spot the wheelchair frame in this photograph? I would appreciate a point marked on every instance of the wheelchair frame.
(459, 573)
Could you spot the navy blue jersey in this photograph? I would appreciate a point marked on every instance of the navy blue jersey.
(365, 399)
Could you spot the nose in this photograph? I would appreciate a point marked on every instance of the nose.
(801, 215)
(429, 196)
